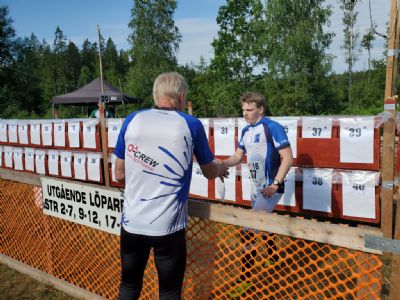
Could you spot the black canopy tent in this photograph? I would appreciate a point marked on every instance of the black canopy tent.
(91, 92)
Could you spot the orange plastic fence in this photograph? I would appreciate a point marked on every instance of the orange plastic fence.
(224, 261)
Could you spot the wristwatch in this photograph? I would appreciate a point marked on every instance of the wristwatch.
(276, 182)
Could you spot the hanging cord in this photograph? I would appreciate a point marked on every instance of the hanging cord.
(372, 23)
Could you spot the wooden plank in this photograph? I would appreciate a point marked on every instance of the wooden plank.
(333, 234)
(104, 146)
(45, 278)
(29, 178)
(395, 276)
(389, 127)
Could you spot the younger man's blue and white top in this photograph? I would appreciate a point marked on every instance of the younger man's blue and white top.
(261, 143)
(157, 146)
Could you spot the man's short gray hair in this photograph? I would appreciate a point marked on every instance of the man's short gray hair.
(170, 84)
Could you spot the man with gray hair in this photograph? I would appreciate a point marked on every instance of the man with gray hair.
(154, 157)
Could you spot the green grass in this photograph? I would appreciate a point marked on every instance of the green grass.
(14, 285)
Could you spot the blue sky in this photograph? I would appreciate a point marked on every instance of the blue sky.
(78, 19)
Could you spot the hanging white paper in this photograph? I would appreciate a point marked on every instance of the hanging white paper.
(47, 134)
(290, 126)
(89, 134)
(358, 194)
(357, 140)
(52, 161)
(114, 127)
(29, 159)
(316, 127)
(80, 166)
(35, 133)
(1, 156)
(246, 183)
(3, 132)
(199, 184)
(73, 134)
(224, 136)
(228, 187)
(8, 156)
(18, 164)
(12, 133)
(23, 134)
(289, 197)
(66, 162)
(59, 134)
(40, 161)
(206, 125)
(93, 166)
(317, 189)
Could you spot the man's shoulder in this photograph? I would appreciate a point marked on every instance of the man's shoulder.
(271, 123)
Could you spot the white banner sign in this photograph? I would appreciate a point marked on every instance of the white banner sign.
(290, 126)
(357, 140)
(289, 197)
(316, 128)
(224, 136)
(199, 183)
(317, 189)
(86, 205)
(358, 192)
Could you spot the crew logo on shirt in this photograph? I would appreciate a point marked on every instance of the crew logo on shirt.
(136, 155)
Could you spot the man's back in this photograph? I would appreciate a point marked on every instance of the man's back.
(158, 165)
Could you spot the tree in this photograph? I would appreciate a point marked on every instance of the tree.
(7, 34)
(155, 40)
(351, 36)
(366, 43)
(294, 53)
(110, 61)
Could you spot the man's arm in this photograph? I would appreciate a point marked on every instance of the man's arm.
(120, 170)
(235, 159)
(286, 163)
(214, 169)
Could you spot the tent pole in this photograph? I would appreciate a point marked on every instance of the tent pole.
(102, 111)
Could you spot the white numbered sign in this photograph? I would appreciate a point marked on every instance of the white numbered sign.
(40, 161)
(114, 127)
(30, 159)
(12, 133)
(73, 134)
(290, 126)
(317, 189)
(357, 140)
(35, 133)
(289, 197)
(358, 194)
(23, 134)
(18, 164)
(66, 162)
(3, 132)
(224, 136)
(316, 127)
(80, 166)
(8, 157)
(52, 161)
(47, 134)
(199, 184)
(89, 135)
(93, 166)
(59, 134)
